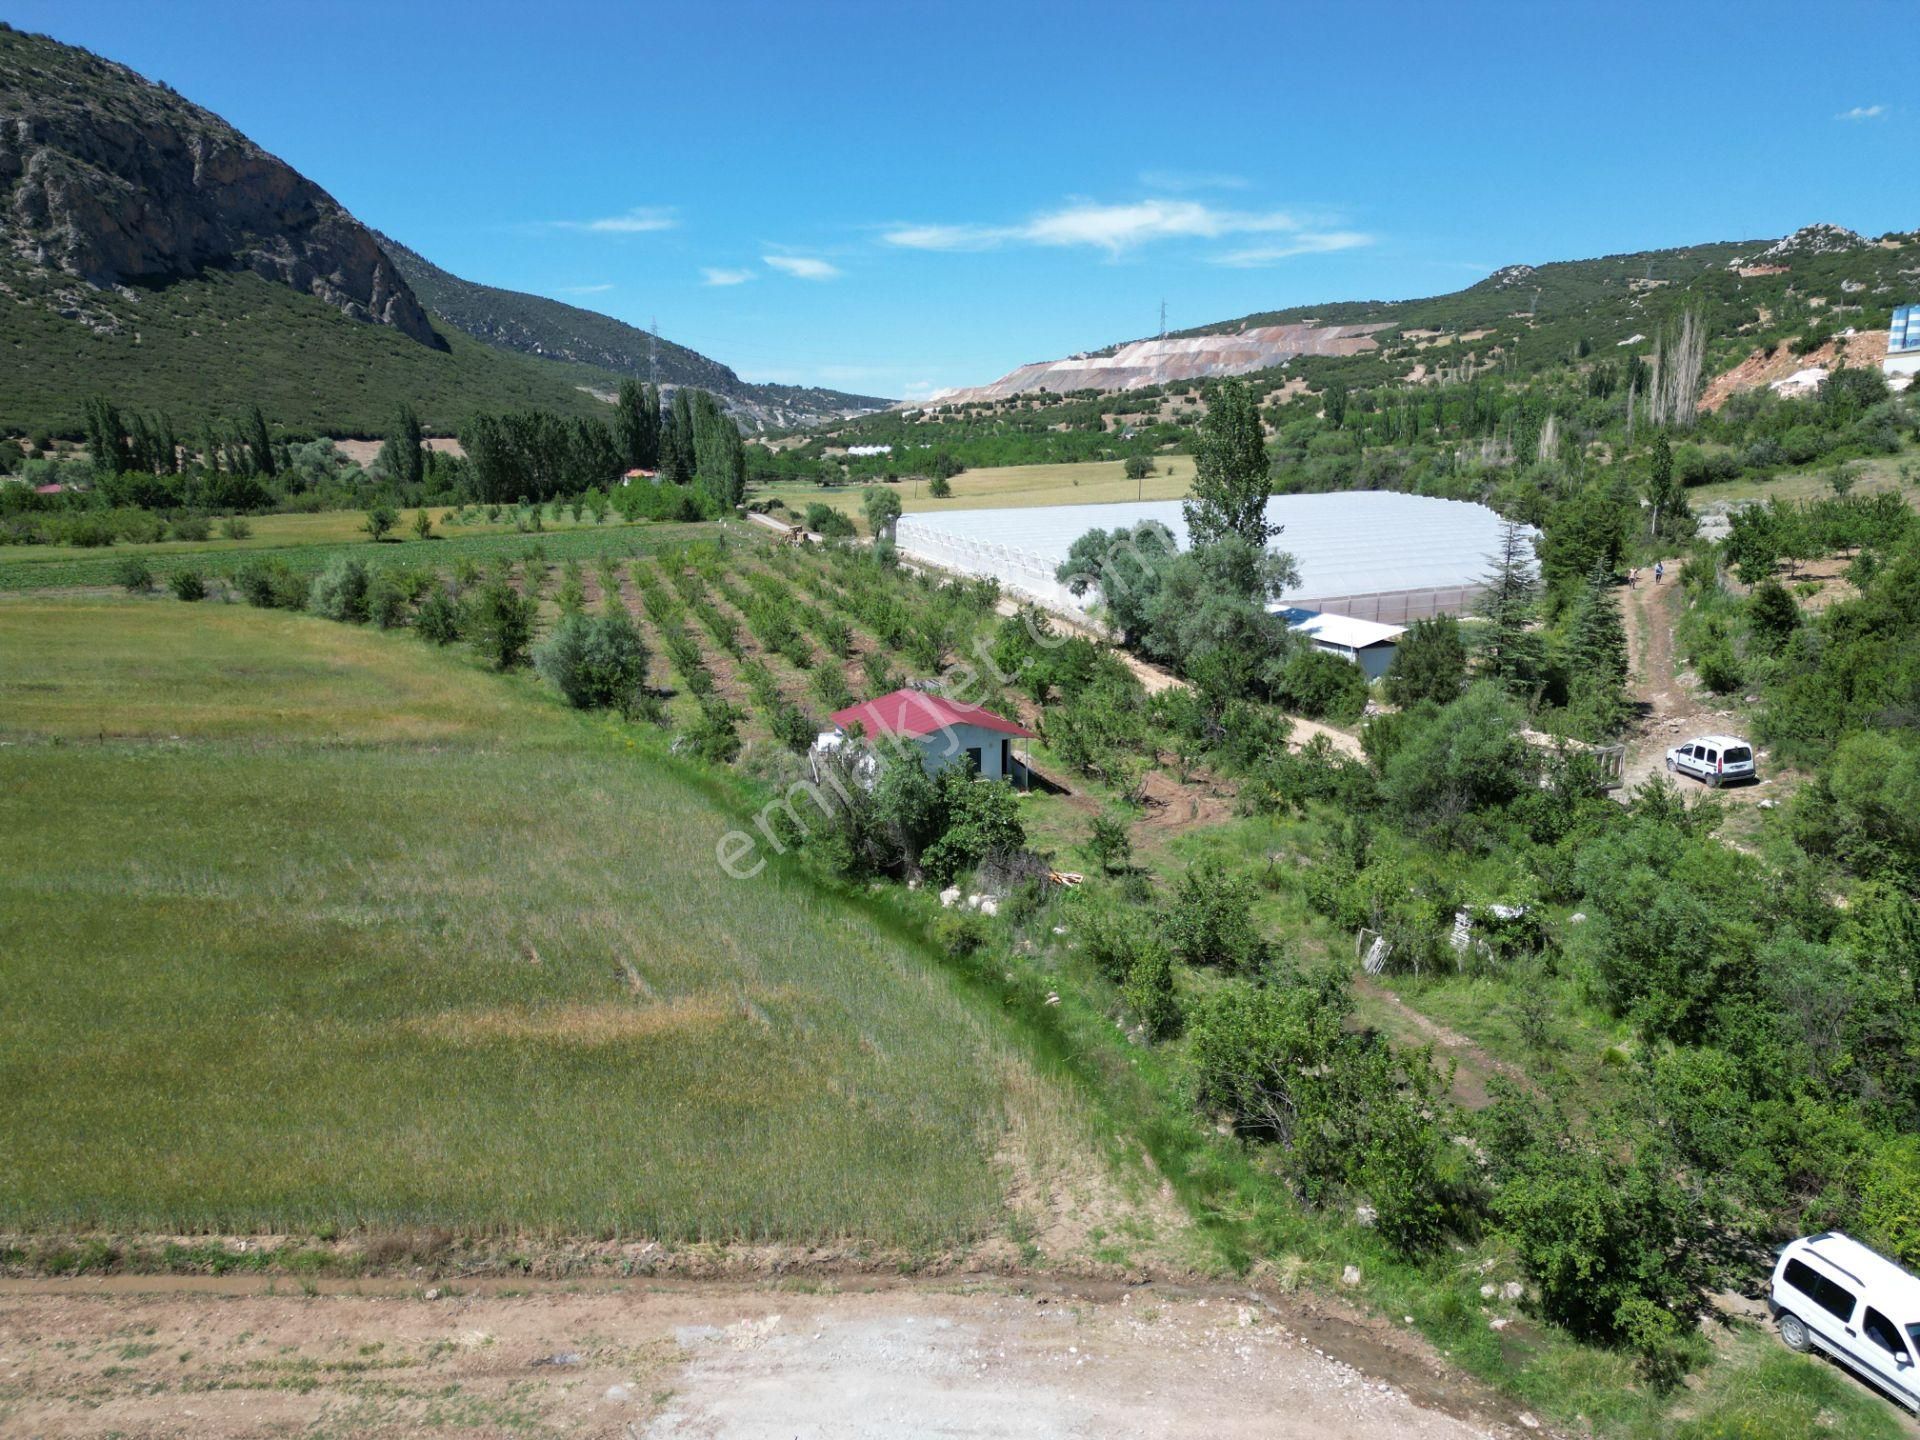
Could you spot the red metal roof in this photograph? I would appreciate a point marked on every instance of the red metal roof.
(916, 713)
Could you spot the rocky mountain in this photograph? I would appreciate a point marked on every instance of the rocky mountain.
(1822, 278)
(114, 180)
(1140, 363)
(150, 251)
(534, 325)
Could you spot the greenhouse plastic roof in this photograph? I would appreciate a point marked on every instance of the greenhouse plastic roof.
(1345, 543)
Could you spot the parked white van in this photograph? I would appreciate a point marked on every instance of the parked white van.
(1715, 759)
(1832, 1293)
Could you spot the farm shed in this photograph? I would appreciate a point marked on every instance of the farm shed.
(945, 732)
(1368, 554)
(1366, 643)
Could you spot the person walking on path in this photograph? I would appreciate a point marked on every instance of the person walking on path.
(1659, 570)
(1633, 578)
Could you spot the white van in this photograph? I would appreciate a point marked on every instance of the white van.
(1832, 1293)
(1715, 759)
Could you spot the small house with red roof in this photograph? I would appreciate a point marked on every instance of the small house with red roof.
(942, 731)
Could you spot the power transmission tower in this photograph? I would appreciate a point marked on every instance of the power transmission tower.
(653, 352)
(1163, 319)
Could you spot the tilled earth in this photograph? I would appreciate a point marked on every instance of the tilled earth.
(645, 1359)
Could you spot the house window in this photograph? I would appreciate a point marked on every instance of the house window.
(975, 758)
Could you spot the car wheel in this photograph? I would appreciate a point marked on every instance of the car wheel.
(1669, 767)
(1793, 1331)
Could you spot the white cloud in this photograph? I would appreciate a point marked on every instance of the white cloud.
(639, 221)
(803, 267)
(1191, 180)
(716, 275)
(584, 289)
(1863, 112)
(1303, 243)
(1118, 228)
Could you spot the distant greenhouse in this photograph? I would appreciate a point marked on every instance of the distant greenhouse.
(1371, 554)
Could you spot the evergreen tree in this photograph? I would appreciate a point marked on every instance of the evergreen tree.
(1597, 659)
(1231, 473)
(260, 445)
(1510, 653)
(1429, 663)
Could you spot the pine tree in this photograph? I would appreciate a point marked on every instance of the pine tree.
(630, 425)
(1597, 659)
(1510, 652)
(1231, 480)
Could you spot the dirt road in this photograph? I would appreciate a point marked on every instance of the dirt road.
(673, 1362)
(1671, 706)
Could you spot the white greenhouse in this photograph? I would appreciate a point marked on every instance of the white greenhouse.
(1371, 554)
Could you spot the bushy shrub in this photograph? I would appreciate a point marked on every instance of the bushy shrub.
(340, 591)
(236, 527)
(715, 736)
(190, 527)
(827, 522)
(271, 584)
(1211, 921)
(386, 600)
(1150, 995)
(187, 584)
(596, 662)
(134, 575)
(500, 623)
(439, 619)
(1321, 686)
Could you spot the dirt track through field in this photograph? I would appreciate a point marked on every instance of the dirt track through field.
(1670, 708)
(633, 1360)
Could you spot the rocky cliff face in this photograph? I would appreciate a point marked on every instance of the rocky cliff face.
(111, 178)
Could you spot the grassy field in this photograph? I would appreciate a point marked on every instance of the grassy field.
(307, 542)
(1085, 483)
(312, 926)
(1886, 472)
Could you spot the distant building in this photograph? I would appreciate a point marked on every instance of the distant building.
(1365, 643)
(633, 475)
(857, 450)
(1903, 343)
(944, 732)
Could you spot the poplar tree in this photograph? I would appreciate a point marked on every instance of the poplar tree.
(260, 445)
(403, 457)
(1231, 472)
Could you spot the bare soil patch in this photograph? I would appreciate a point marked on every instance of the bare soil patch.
(631, 1360)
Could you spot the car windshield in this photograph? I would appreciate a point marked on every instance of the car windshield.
(1913, 1334)
(1738, 755)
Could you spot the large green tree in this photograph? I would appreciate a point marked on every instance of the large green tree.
(1231, 479)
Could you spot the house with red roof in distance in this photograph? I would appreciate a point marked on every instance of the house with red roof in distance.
(941, 731)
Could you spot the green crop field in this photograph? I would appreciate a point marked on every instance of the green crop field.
(305, 543)
(311, 926)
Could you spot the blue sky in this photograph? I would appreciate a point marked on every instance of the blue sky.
(894, 197)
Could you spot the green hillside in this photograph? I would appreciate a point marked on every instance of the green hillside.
(208, 347)
(551, 330)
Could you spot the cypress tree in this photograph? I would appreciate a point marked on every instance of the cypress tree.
(260, 445)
